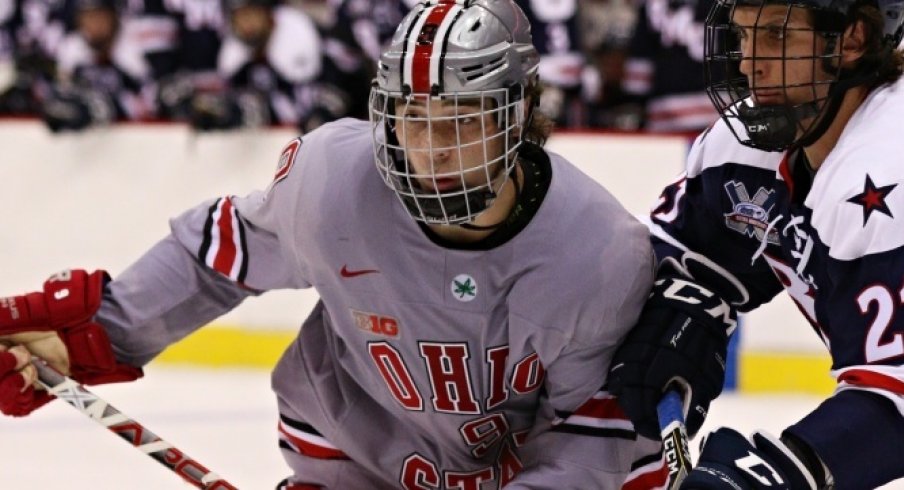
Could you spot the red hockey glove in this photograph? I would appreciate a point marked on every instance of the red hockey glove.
(57, 325)
(17, 395)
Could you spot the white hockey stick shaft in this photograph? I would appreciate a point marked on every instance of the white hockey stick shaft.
(127, 428)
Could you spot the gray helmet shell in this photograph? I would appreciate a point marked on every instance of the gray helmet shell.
(479, 45)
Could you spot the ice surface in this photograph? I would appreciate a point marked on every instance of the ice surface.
(226, 420)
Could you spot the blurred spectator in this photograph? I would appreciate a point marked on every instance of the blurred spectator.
(30, 33)
(45, 23)
(664, 71)
(568, 78)
(100, 75)
(181, 40)
(366, 24)
(624, 64)
(178, 34)
(276, 73)
(353, 32)
(607, 27)
(10, 20)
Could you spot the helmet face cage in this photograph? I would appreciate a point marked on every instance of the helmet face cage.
(456, 74)
(794, 101)
(477, 134)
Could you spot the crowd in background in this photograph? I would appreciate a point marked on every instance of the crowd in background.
(228, 64)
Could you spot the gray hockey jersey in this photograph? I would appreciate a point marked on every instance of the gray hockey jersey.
(430, 367)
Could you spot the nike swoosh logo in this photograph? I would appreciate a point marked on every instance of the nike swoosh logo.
(344, 272)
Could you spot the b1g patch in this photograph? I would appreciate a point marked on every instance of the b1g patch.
(750, 215)
(463, 287)
(384, 326)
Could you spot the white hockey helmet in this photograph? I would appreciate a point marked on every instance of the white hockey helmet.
(477, 52)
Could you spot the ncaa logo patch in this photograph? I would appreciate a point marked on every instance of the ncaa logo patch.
(464, 288)
(750, 215)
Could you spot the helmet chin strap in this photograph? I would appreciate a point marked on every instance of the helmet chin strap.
(514, 177)
(514, 174)
(846, 81)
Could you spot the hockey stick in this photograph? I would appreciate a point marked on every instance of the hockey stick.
(674, 437)
(127, 428)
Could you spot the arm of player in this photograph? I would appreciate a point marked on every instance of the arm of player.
(691, 229)
(582, 438)
(857, 435)
(560, 472)
(102, 331)
(701, 283)
(857, 432)
(218, 254)
(594, 446)
(680, 339)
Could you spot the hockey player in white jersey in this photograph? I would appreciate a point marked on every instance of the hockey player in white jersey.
(798, 187)
(473, 287)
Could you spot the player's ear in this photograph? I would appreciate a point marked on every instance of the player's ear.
(853, 44)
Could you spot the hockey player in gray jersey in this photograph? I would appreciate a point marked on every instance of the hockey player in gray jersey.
(464, 348)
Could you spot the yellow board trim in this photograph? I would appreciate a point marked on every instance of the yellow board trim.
(230, 346)
(227, 346)
(761, 372)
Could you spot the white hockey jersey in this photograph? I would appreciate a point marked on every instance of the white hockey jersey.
(833, 242)
(430, 367)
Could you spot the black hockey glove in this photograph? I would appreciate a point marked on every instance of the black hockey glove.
(231, 110)
(174, 96)
(28, 76)
(18, 100)
(331, 104)
(210, 111)
(681, 338)
(729, 461)
(75, 109)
